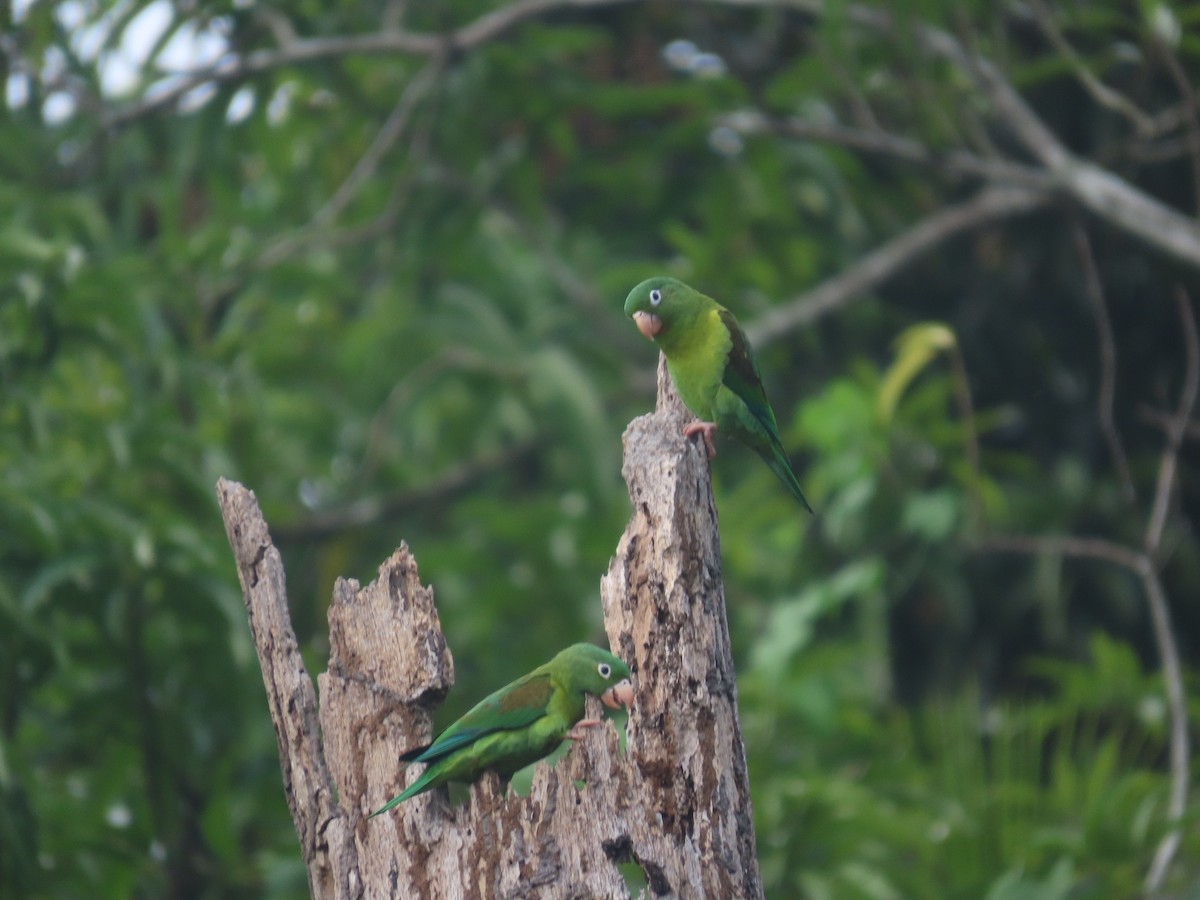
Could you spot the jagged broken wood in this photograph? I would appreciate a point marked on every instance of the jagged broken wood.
(677, 803)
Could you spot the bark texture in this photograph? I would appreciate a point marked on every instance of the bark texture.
(677, 803)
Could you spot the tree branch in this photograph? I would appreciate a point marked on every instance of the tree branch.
(1098, 190)
(955, 162)
(989, 205)
(1103, 193)
(1094, 290)
(307, 783)
(218, 298)
(1099, 91)
(1106, 195)
(1163, 420)
(486, 28)
(1064, 545)
(1160, 617)
(1191, 109)
(371, 510)
(1142, 562)
(388, 135)
(1163, 151)
(1175, 432)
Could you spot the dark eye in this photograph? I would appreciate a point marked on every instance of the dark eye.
(656, 297)
(604, 669)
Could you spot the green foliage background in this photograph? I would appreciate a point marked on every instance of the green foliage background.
(442, 359)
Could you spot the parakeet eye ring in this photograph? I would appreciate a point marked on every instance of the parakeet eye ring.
(713, 370)
(552, 696)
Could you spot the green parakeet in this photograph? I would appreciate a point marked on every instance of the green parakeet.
(714, 371)
(523, 721)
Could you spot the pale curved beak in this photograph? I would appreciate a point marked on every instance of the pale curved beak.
(647, 323)
(620, 694)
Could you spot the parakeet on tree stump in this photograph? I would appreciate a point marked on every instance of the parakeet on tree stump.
(713, 369)
(523, 721)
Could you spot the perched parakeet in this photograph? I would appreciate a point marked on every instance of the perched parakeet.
(714, 371)
(522, 722)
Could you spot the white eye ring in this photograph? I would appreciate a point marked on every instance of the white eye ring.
(604, 669)
(655, 297)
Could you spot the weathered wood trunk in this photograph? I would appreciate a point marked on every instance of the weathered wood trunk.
(677, 804)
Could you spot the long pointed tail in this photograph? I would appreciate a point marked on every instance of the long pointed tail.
(395, 801)
(779, 464)
(421, 784)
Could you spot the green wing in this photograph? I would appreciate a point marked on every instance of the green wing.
(511, 708)
(756, 428)
(515, 706)
(742, 377)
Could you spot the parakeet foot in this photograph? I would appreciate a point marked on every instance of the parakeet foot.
(576, 734)
(706, 429)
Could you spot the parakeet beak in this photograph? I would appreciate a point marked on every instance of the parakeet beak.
(647, 323)
(620, 694)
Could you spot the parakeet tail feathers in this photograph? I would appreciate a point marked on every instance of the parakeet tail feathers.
(782, 468)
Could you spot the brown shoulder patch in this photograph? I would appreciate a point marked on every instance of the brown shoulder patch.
(533, 694)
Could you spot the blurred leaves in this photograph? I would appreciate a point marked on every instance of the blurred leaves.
(916, 347)
(961, 798)
(442, 359)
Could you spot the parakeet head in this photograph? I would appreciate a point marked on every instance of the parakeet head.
(657, 303)
(588, 669)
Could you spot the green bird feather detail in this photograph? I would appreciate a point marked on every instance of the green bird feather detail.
(522, 722)
(713, 369)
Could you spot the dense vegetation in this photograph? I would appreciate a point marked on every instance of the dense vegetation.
(380, 282)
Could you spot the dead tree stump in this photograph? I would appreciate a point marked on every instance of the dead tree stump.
(677, 804)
